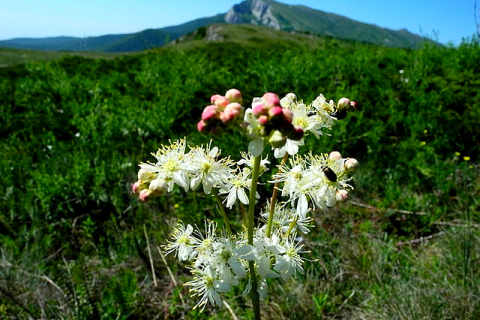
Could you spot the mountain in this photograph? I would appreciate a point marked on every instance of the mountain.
(269, 13)
(303, 19)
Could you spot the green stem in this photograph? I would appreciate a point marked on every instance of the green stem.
(250, 220)
(222, 211)
(244, 216)
(268, 232)
(291, 226)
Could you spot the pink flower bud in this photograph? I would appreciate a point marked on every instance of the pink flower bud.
(343, 104)
(351, 165)
(214, 98)
(232, 111)
(341, 195)
(209, 113)
(138, 186)
(227, 117)
(275, 112)
(270, 99)
(263, 120)
(353, 105)
(234, 95)
(221, 102)
(287, 115)
(334, 155)
(233, 106)
(145, 194)
(259, 109)
(201, 126)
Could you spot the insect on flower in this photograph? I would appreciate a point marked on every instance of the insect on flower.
(329, 174)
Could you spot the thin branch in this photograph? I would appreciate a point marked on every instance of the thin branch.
(234, 317)
(174, 281)
(372, 208)
(421, 239)
(150, 256)
(457, 225)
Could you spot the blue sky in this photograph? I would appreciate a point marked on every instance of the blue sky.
(443, 20)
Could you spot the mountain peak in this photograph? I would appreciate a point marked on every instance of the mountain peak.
(255, 12)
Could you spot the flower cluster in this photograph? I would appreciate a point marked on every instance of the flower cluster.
(306, 183)
(220, 262)
(199, 166)
(224, 111)
(321, 180)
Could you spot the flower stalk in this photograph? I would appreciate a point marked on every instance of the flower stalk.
(250, 223)
(223, 212)
(273, 201)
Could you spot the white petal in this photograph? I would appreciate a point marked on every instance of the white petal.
(263, 266)
(237, 268)
(292, 147)
(279, 152)
(207, 186)
(246, 252)
(256, 147)
(195, 182)
(242, 196)
(231, 198)
(302, 205)
(181, 179)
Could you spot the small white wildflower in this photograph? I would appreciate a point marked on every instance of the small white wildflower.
(235, 187)
(183, 243)
(289, 262)
(206, 285)
(248, 160)
(170, 165)
(206, 168)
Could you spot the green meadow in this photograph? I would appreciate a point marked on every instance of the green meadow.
(75, 243)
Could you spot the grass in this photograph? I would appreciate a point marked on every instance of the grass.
(10, 57)
(73, 130)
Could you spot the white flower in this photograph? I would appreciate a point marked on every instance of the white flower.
(314, 177)
(183, 243)
(206, 168)
(308, 119)
(208, 244)
(324, 109)
(248, 160)
(284, 217)
(235, 186)
(289, 262)
(170, 165)
(230, 256)
(311, 118)
(290, 147)
(206, 285)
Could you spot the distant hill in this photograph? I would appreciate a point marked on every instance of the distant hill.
(267, 13)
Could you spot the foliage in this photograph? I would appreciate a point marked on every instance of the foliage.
(72, 131)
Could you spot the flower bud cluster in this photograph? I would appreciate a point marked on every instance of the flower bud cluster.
(276, 121)
(223, 111)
